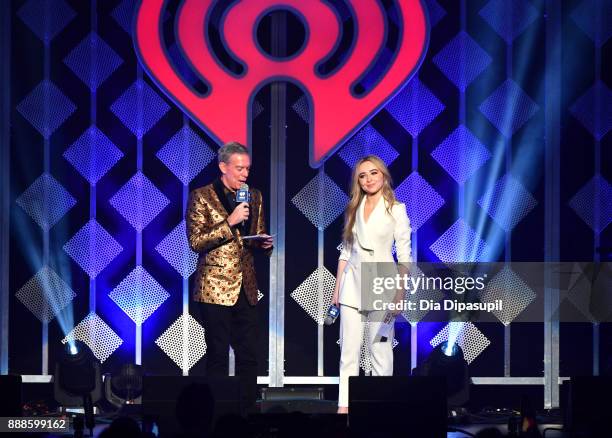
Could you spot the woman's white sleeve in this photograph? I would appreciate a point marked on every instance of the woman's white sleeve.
(401, 234)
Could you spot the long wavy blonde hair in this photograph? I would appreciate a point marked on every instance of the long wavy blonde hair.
(357, 194)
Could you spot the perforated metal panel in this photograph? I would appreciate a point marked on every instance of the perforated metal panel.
(186, 154)
(46, 108)
(123, 13)
(421, 199)
(600, 123)
(508, 108)
(321, 201)
(93, 61)
(462, 60)
(468, 337)
(139, 295)
(365, 361)
(171, 341)
(98, 336)
(366, 142)
(46, 18)
(315, 293)
(174, 248)
(93, 248)
(46, 201)
(140, 95)
(595, 195)
(93, 154)
(415, 107)
(522, 14)
(45, 294)
(513, 292)
(461, 154)
(300, 107)
(508, 202)
(585, 15)
(459, 243)
(139, 201)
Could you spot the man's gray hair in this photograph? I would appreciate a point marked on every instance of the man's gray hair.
(229, 149)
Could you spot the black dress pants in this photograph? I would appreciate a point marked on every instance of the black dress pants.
(236, 326)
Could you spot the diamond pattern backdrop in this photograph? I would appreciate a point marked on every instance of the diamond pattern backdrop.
(439, 136)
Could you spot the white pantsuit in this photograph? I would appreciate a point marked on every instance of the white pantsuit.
(372, 242)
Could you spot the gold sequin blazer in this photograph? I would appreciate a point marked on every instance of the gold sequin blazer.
(225, 261)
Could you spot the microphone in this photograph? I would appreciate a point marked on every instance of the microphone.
(243, 195)
(332, 315)
(386, 328)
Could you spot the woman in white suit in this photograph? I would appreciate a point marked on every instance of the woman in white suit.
(374, 219)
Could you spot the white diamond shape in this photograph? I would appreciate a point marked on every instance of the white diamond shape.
(315, 293)
(98, 336)
(172, 342)
(468, 337)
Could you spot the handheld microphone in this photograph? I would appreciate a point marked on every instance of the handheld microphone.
(243, 195)
(332, 315)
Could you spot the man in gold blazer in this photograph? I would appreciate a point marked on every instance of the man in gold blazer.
(225, 287)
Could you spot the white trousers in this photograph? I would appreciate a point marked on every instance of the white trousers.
(352, 324)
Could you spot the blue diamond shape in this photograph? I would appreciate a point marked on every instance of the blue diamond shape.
(507, 202)
(462, 60)
(93, 154)
(93, 248)
(123, 14)
(93, 61)
(139, 201)
(139, 108)
(458, 244)
(46, 201)
(186, 154)
(367, 141)
(46, 108)
(321, 201)
(508, 108)
(176, 251)
(46, 18)
(139, 295)
(598, 122)
(496, 14)
(415, 107)
(593, 203)
(421, 199)
(461, 154)
(590, 15)
(436, 12)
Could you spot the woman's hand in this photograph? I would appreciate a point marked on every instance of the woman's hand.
(334, 300)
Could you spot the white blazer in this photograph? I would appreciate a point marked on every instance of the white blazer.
(372, 242)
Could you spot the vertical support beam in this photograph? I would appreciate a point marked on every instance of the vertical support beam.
(185, 283)
(92, 122)
(597, 171)
(5, 179)
(278, 169)
(414, 337)
(139, 162)
(552, 208)
(320, 287)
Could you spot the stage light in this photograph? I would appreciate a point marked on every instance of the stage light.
(446, 360)
(125, 389)
(77, 381)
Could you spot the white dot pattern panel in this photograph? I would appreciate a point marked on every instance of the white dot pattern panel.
(458, 244)
(514, 293)
(45, 294)
(367, 141)
(174, 248)
(469, 338)
(98, 336)
(46, 201)
(321, 201)
(171, 341)
(186, 154)
(315, 293)
(421, 199)
(139, 295)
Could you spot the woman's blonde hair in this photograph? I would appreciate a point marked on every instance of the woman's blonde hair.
(357, 194)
